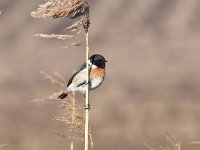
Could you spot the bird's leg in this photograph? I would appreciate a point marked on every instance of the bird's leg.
(87, 107)
(88, 83)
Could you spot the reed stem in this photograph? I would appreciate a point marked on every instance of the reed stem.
(87, 95)
(72, 145)
(73, 115)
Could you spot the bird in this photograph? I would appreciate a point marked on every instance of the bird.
(77, 82)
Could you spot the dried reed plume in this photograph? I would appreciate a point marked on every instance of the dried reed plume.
(174, 143)
(57, 80)
(64, 8)
(74, 118)
(74, 115)
(61, 8)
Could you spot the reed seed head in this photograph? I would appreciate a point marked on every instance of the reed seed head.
(61, 8)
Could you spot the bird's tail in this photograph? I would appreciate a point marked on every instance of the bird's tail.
(63, 95)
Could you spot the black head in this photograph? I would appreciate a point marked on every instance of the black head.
(98, 60)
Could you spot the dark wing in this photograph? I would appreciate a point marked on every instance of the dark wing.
(79, 70)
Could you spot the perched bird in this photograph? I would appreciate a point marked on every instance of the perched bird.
(96, 76)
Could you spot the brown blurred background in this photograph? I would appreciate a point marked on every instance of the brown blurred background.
(152, 83)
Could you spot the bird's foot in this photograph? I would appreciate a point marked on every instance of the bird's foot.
(87, 107)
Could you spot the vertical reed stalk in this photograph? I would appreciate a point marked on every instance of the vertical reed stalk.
(71, 9)
(72, 145)
(87, 94)
(73, 115)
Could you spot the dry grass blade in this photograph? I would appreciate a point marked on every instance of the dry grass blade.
(61, 78)
(0, 12)
(55, 36)
(174, 144)
(78, 43)
(58, 80)
(61, 8)
(69, 138)
(75, 25)
(52, 97)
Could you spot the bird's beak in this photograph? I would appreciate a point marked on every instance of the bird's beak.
(106, 61)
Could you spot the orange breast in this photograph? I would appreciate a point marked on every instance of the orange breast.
(97, 72)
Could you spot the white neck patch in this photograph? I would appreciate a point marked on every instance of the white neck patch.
(89, 62)
(94, 66)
